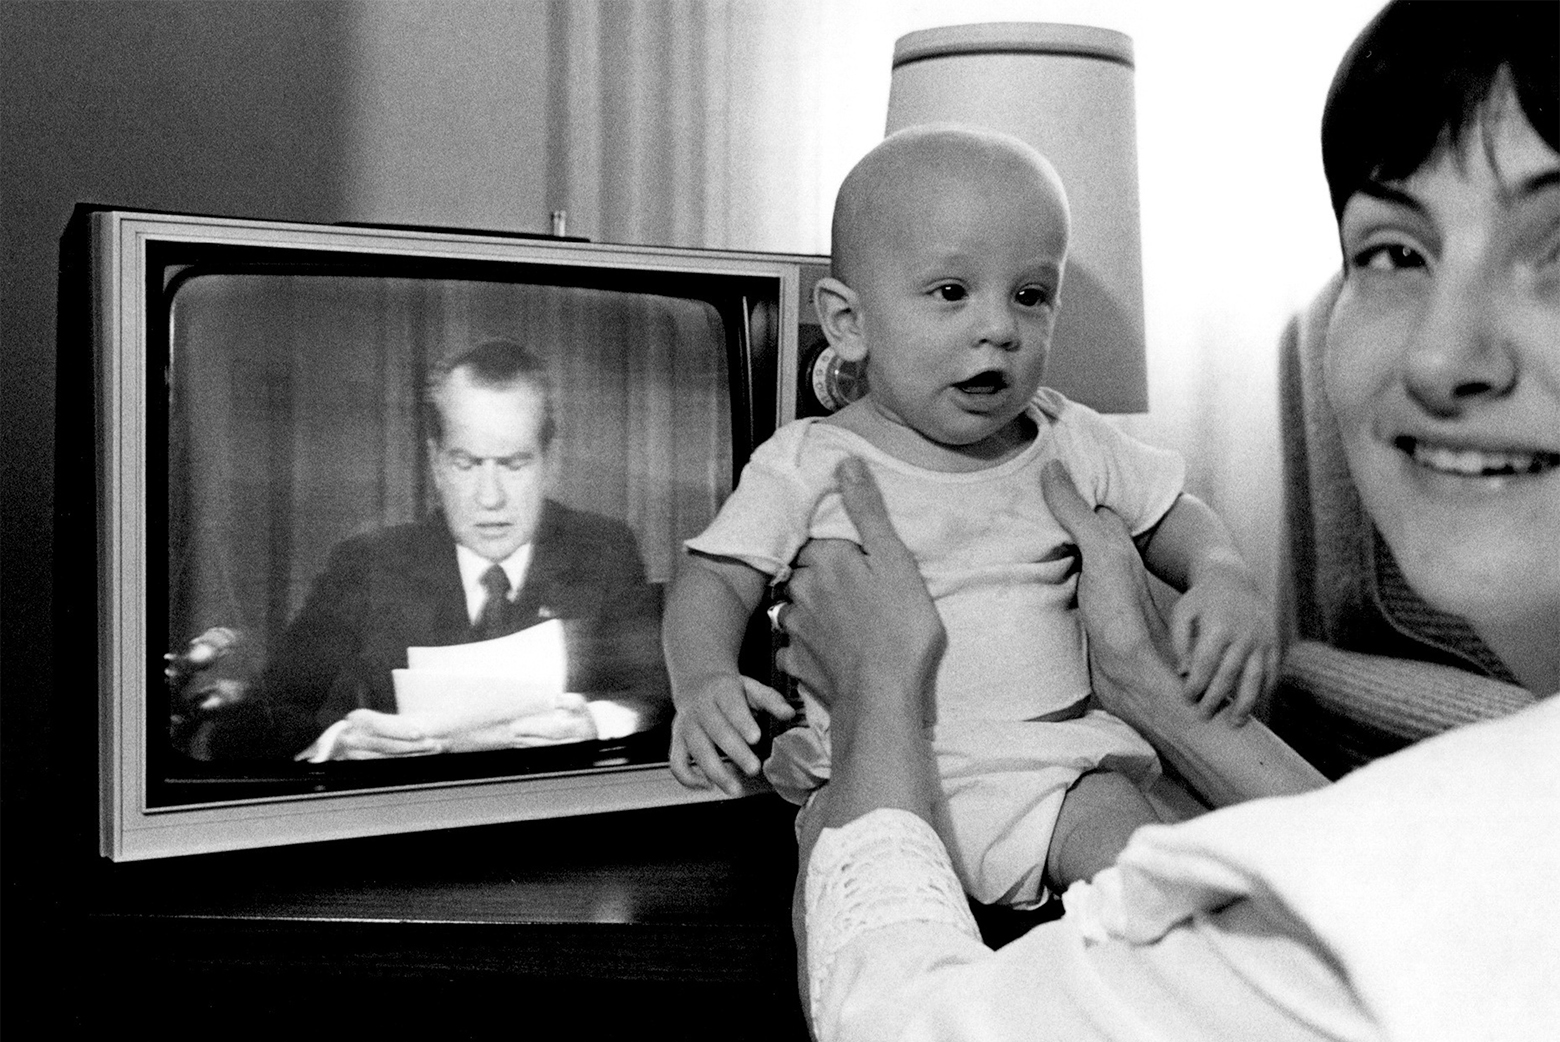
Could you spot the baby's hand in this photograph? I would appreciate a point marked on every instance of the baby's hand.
(1226, 641)
(716, 717)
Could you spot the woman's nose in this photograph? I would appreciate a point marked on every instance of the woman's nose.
(1460, 353)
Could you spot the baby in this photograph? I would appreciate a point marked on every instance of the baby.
(949, 245)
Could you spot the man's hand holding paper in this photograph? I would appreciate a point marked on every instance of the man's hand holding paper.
(493, 694)
(568, 721)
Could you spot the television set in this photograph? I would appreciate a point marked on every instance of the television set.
(258, 402)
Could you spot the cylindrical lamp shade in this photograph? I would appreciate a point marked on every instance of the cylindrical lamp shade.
(1067, 90)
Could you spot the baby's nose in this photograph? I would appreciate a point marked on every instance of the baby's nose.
(998, 328)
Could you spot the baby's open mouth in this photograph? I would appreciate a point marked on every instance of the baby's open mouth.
(988, 382)
(1476, 463)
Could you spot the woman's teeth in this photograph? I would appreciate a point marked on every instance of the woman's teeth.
(1477, 463)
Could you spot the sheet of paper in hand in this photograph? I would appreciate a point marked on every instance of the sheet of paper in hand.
(449, 690)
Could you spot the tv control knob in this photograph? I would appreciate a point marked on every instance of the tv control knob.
(835, 382)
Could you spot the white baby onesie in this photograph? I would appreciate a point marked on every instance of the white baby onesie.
(1002, 573)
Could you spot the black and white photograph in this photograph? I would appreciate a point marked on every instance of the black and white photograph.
(806, 520)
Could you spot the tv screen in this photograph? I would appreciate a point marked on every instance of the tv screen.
(301, 482)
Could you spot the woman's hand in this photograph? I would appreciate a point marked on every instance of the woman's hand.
(1130, 654)
(1129, 665)
(859, 612)
(865, 637)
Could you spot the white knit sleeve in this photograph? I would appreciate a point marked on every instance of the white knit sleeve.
(886, 867)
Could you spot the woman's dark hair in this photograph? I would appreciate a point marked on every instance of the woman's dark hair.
(1415, 79)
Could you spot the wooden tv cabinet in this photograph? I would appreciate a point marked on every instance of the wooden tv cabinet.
(664, 923)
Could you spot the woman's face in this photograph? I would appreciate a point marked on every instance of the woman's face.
(1443, 366)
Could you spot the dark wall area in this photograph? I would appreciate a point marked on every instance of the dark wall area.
(206, 107)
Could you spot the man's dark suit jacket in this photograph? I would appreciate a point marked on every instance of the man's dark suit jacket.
(400, 587)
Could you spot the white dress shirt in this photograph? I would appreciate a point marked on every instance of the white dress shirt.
(472, 567)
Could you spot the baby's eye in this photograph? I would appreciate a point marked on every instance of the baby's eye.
(1392, 256)
(1033, 296)
(949, 291)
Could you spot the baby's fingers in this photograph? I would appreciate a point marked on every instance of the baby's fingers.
(732, 722)
(706, 750)
(1253, 682)
(766, 699)
(1183, 633)
(1224, 683)
(681, 759)
(731, 727)
(1201, 663)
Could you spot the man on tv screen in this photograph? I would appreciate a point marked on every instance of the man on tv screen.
(476, 588)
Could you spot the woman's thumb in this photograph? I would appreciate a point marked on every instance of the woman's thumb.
(1061, 496)
(864, 505)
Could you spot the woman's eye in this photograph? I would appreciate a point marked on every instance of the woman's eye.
(949, 291)
(1032, 296)
(1393, 256)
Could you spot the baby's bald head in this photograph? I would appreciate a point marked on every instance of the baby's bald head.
(876, 194)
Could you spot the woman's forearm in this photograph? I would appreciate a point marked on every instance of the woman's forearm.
(1129, 660)
(881, 756)
(1226, 764)
(866, 638)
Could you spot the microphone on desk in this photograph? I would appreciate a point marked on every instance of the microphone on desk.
(190, 703)
(203, 652)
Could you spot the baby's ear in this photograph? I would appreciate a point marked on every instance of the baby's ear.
(839, 313)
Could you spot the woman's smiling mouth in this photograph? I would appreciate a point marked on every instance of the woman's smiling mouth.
(1476, 463)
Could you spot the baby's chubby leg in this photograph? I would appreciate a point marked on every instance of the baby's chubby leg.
(1098, 815)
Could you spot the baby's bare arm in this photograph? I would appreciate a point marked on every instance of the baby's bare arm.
(707, 612)
(1222, 628)
(1188, 542)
